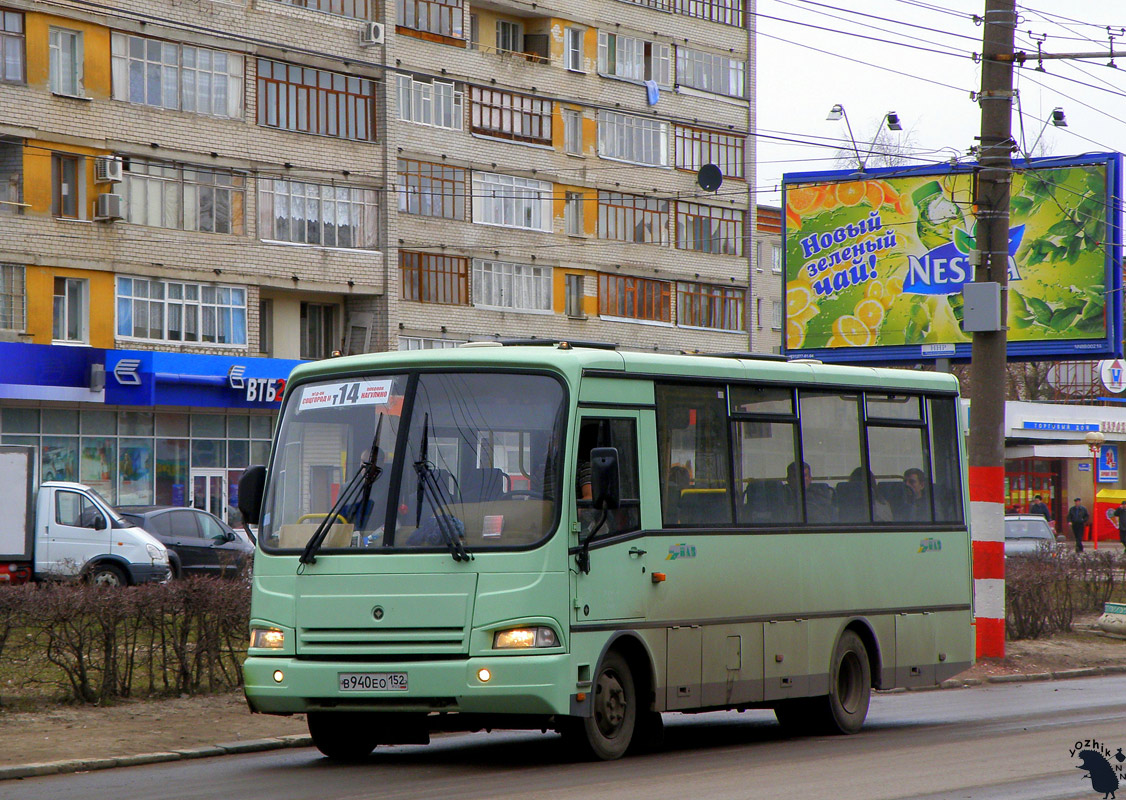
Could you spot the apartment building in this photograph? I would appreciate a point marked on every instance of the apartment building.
(195, 196)
(767, 314)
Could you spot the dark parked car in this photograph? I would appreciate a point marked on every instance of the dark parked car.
(198, 543)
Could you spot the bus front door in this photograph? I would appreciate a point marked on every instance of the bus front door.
(619, 582)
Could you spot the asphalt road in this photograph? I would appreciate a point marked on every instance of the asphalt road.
(992, 742)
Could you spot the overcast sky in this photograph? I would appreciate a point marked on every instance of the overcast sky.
(917, 61)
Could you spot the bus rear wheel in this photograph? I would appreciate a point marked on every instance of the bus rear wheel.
(845, 708)
(343, 736)
(607, 733)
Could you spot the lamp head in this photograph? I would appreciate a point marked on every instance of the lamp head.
(835, 113)
(893, 121)
(1058, 119)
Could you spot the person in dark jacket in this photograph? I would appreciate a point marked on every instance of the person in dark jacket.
(1077, 517)
(1038, 506)
(1120, 515)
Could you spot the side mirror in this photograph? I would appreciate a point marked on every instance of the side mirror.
(99, 523)
(605, 486)
(250, 493)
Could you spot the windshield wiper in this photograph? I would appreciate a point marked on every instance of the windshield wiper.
(429, 489)
(367, 474)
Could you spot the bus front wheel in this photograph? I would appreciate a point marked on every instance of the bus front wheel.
(607, 733)
(343, 736)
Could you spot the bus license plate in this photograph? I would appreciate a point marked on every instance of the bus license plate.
(373, 681)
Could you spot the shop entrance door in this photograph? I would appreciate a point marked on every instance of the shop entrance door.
(209, 491)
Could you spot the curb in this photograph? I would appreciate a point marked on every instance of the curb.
(91, 764)
(301, 740)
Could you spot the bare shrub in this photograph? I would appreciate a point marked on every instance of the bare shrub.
(95, 644)
(1038, 596)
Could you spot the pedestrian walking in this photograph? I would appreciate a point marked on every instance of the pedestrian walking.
(1078, 516)
(1120, 515)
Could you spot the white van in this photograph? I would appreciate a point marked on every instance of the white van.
(67, 531)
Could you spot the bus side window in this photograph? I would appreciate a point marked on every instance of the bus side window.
(944, 453)
(693, 438)
(620, 433)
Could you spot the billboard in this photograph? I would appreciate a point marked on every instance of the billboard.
(875, 263)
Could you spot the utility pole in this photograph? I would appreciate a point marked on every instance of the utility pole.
(989, 356)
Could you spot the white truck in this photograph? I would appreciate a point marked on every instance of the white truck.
(67, 531)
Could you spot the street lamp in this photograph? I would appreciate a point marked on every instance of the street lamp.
(1056, 119)
(1094, 441)
(891, 119)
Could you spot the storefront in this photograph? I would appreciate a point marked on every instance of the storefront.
(1047, 454)
(142, 427)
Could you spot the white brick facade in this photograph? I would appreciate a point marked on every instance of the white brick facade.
(366, 283)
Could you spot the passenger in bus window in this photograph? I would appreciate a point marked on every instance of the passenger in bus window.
(917, 502)
(818, 496)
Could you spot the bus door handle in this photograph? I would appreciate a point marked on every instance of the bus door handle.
(636, 551)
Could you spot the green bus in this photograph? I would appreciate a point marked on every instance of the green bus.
(564, 536)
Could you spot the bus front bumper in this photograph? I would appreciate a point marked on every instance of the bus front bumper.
(525, 684)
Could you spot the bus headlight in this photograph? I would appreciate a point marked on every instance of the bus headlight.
(267, 638)
(515, 638)
(159, 555)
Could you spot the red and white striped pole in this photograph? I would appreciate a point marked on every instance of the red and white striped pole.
(987, 526)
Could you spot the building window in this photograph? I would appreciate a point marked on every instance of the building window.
(431, 190)
(307, 100)
(435, 104)
(70, 305)
(727, 12)
(709, 229)
(573, 49)
(432, 278)
(13, 298)
(65, 61)
(776, 315)
(12, 57)
(356, 9)
(508, 115)
(439, 17)
(511, 202)
(758, 256)
(11, 176)
(633, 218)
(172, 311)
(572, 131)
(184, 197)
(703, 306)
(573, 295)
(573, 214)
(500, 284)
(318, 214)
(710, 73)
(318, 330)
(425, 343)
(695, 147)
(635, 139)
(266, 327)
(758, 312)
(474, 42)
(634, 298)
(66, 176)
(151, 72)
(634, 59)
(510, 37)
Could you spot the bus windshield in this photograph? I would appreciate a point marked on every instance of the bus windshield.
(477, 459)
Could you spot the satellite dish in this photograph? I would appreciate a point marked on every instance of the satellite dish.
(709, 177)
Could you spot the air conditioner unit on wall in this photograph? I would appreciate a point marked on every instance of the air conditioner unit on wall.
(108, 208)
(371, 33)
(107, 169)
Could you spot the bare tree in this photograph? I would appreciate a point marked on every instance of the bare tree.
(884, 149)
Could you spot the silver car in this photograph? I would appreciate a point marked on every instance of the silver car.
(1027, 533)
